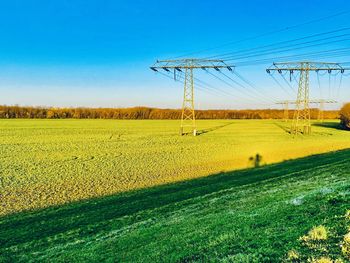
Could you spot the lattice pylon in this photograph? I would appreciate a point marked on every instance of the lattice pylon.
(187, 66)
(301, 118)
(188, 119)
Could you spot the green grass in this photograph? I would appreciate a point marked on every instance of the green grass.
(52, 162)
(252, 215)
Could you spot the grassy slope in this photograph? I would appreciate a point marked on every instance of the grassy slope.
(251, 215)
(50, 162)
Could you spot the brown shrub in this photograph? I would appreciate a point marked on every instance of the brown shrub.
(345, 116)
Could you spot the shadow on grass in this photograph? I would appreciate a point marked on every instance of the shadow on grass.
(200, 132)
(285, 127)
(94, 215)
(330, 125)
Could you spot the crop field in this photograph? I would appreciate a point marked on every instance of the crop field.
(187, 132)
(52, 162)
(252, 215)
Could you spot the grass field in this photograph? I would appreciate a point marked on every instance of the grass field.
(52, 162)
(253, 215)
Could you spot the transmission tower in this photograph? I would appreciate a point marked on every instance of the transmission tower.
(187, 67)
(301, 118)
(320, 102)
(285, 105)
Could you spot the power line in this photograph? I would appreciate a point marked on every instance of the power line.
(230, 85)
(279, 84)
(252, 86)
(199, 86)
(340, 83)
(326, 53)
(290, 48)
(210, 87)
(278, 43)
(286, 81)
(319, 84)
(223, 92)
(244, 87)
(205, 87)
(329, 85)
(268, 33)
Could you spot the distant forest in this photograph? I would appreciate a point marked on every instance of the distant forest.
(144, 113)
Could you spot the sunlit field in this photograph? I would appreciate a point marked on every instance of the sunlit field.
(50, 162)
(294, 211)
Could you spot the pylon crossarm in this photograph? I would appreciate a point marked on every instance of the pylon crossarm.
(180, 64)
(310, 101)
(309, 69)
(310, 66)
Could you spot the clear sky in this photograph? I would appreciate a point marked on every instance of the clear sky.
(97, 53)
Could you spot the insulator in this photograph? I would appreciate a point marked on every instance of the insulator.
(329, 71)
(178, 69)
(154, 69)
(166, 69)
(229, 68)
(342, 71)
(216, 68)
(279, 71)
(268, 71)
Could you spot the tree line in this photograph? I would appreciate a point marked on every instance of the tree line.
(143, 113)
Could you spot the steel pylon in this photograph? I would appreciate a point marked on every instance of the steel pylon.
(188, 118)
(285, 105)
(301, 118)
(187, 66)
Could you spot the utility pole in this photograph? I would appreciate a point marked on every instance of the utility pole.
(187, 66)
(301, 119)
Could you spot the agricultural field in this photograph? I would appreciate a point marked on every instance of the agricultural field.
(52, 162)
(294, 211)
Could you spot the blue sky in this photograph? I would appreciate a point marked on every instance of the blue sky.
(97, 53)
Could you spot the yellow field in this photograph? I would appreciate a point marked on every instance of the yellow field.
(50, 162)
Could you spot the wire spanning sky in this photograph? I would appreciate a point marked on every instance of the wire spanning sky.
(97, 53)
